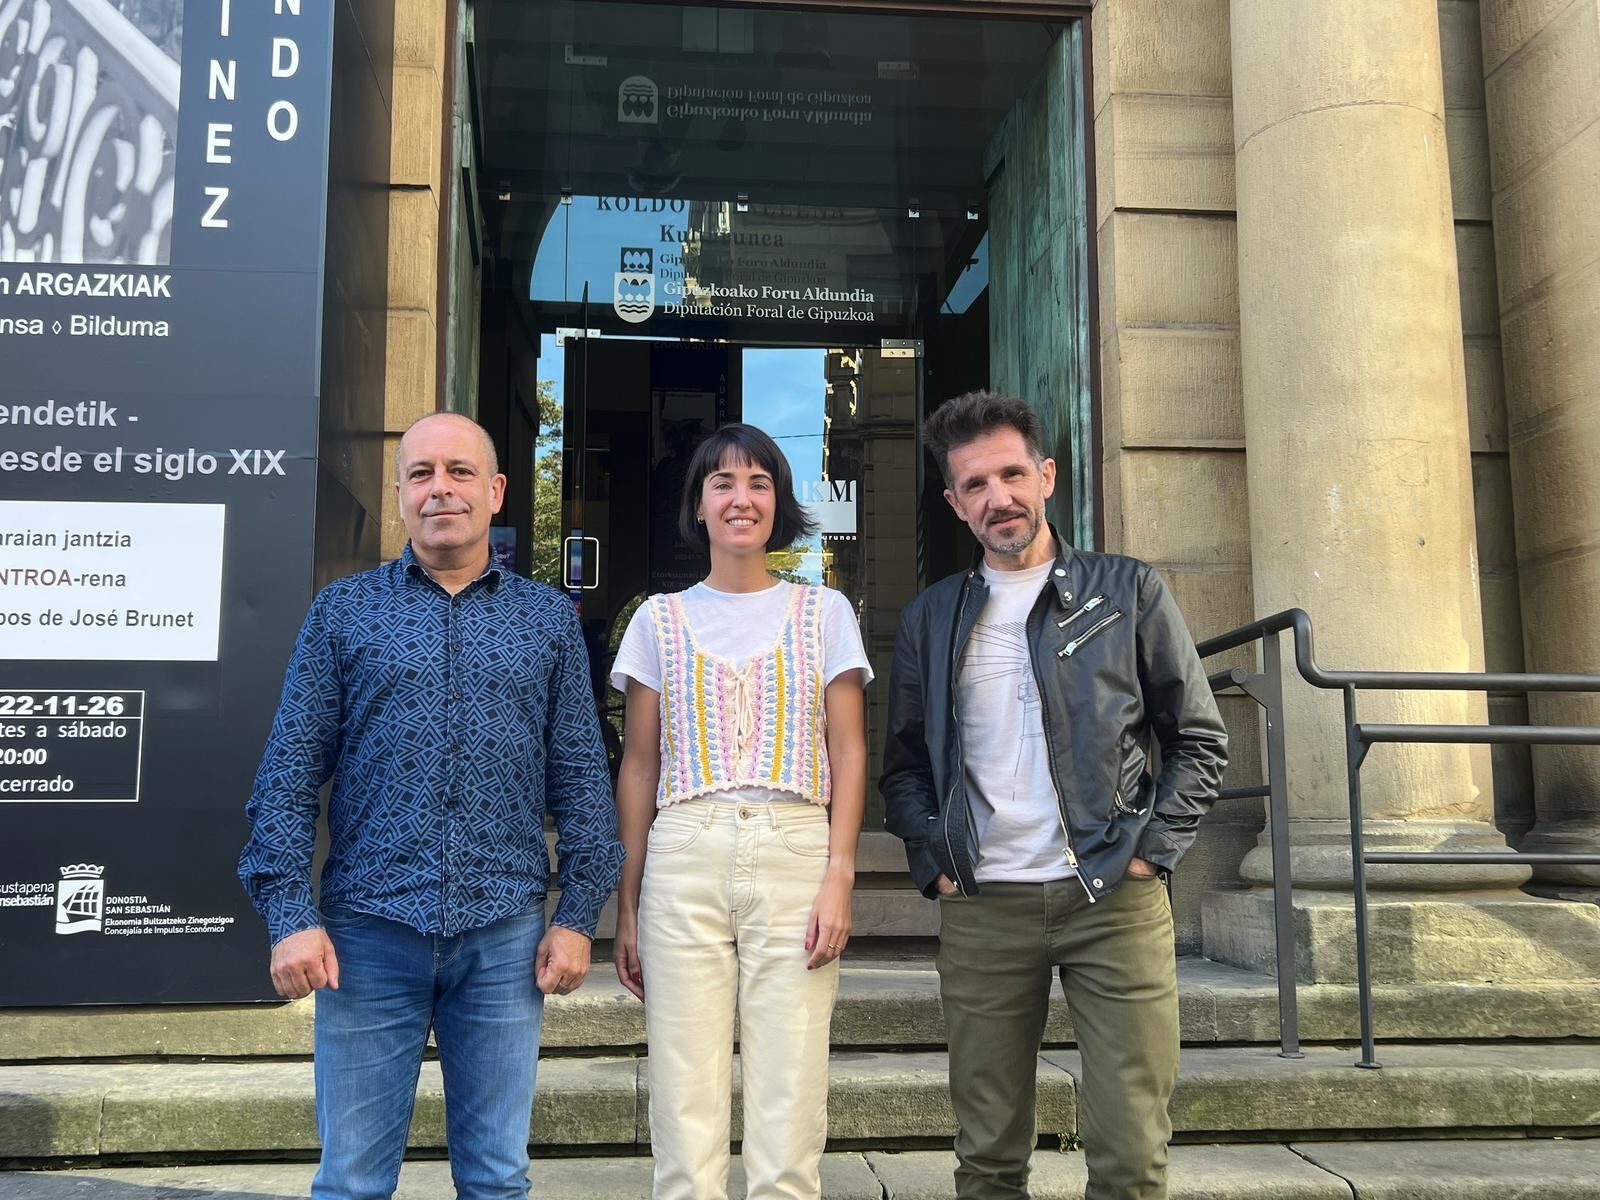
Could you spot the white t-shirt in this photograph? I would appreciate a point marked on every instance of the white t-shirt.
(1009, 788)
(737, 626)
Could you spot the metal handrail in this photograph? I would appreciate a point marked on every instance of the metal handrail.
(1305, 659)
(1267, 689)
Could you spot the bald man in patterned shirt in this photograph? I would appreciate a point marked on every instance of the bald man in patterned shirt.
(449, 703)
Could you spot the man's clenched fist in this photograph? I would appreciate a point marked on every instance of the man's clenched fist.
(304, 962)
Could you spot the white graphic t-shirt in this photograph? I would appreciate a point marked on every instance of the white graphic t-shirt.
(1013, 800)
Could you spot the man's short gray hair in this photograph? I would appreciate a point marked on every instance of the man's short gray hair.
(970, 416)
(487, 443)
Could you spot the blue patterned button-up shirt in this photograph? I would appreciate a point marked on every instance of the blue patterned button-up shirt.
(448, 724)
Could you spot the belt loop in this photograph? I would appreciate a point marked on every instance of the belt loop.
(772, 814)
(711, 813)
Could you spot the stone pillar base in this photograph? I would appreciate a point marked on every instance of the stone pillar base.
(1446, 937)
(1557, 891)
(1574, 836)
(1319, 857)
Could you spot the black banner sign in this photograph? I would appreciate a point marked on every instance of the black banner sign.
(163, 197)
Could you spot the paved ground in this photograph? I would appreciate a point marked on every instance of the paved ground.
(1509, 1169)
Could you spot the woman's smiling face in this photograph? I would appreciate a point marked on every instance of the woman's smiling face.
(737, 503)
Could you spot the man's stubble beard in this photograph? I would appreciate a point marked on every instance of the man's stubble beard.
(1016, 545)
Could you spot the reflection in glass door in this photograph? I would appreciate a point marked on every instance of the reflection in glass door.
(846, 418)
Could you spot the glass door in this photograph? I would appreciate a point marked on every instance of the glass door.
(823, 223)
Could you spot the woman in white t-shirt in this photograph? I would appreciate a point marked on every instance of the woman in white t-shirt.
(740, 798)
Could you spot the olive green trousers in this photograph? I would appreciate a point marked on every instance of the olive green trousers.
(997, 953)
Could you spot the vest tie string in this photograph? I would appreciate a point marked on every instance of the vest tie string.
(744, 707)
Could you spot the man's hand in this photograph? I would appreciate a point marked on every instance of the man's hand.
(946, 888)
(1140, 869)
(562, 961)
(304, 962)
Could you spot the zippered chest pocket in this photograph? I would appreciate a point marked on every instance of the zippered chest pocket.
(1079, 640)
(1083, 610)
(1125, 806)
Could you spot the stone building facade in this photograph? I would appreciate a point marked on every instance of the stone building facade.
(1344, 281)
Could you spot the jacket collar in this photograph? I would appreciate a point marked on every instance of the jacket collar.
(1060, 574)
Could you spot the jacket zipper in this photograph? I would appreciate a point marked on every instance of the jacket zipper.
(1055, 784)
(955, 723)
(1087, 607)
(1071, 647)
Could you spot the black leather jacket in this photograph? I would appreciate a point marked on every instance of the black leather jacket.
(1114, 664)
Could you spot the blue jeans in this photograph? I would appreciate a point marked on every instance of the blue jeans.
(476, 990)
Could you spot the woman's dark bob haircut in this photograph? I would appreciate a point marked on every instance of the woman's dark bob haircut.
(743, 446)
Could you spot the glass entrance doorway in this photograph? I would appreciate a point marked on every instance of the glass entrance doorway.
(819, 223)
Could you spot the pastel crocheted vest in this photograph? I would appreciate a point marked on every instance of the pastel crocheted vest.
(755, 723)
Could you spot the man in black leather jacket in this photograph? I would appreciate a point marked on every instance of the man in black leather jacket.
(1029, 699)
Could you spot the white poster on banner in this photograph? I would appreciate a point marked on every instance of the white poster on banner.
(120, 582)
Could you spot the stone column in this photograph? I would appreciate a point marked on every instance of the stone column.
(1361, 503)
(1361, 506)
(1540, 67)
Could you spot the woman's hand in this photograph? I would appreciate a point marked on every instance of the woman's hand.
(625, 951)
(828, 929)
(636, 809)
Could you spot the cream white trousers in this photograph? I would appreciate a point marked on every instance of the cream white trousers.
(727, 894)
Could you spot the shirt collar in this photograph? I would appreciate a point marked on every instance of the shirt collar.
(412, 569)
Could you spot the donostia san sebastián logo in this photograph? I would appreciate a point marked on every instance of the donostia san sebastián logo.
(81, 899)
(638, 101)
(634, 297)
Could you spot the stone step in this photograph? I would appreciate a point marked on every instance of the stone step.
(1430, 1170)
(877, 1099)
(876, 913)
(877, 854)
(884, 906)
(889, 1004)
(1506, 937)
